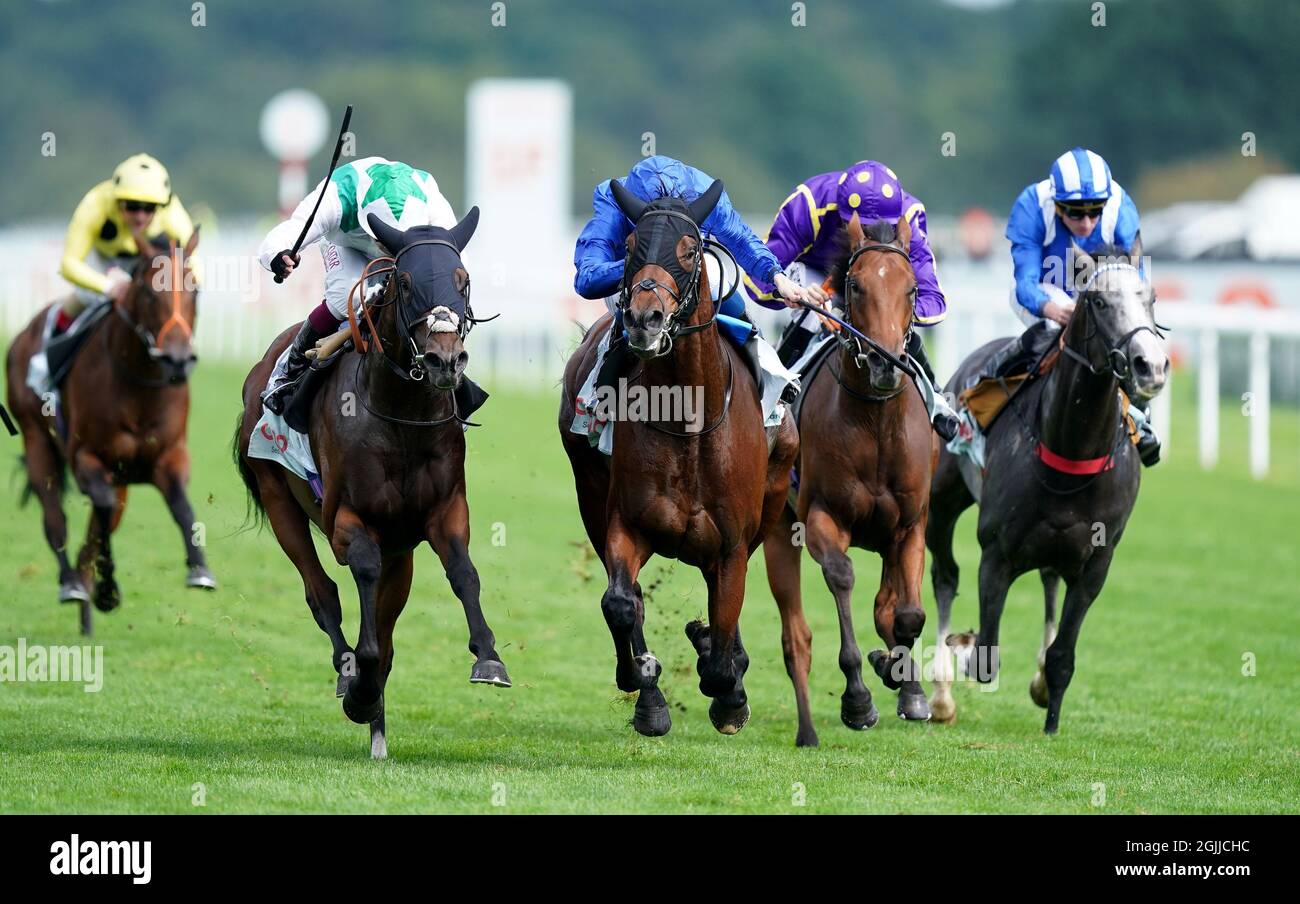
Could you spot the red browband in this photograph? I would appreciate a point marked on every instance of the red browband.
(1074, 465)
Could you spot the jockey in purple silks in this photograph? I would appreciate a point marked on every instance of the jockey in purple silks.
(807, 239)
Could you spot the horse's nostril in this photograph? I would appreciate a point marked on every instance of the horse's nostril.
(654, 320)
(462, 360)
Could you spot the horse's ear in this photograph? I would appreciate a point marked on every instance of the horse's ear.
(702, 206)
(856, 236)
(1135, 251)
(1084, 266)
(463, 231)
(390, 237)
(903, 234)
(148, 250)
(193, 242)
(630, 204)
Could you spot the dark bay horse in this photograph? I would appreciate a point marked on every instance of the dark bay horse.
(125, 405)
(387, 440)
(1060, 480)
(705, 498)
(866, 453)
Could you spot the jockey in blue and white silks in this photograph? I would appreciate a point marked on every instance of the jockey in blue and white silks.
(601, 251)
(1078, 204)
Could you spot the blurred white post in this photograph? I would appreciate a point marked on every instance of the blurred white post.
(1207, 402)
(1259, 405)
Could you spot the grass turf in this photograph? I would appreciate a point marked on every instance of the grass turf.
(219, 703)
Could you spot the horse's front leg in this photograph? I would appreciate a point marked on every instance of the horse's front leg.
(391, 595)
(900, 618)
(448, 533)
(357, 547)
(722, 659)
(828, 543)
(107, 503)
(171, 474)
(637, 669)
(1058, 664)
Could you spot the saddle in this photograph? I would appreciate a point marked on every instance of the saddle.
(61, 351)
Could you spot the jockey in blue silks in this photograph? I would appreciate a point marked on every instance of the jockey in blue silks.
(602, 249)
(1078, 204)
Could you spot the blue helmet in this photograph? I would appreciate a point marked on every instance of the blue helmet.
(1080, 175)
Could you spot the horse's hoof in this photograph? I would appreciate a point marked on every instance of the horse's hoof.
(727, 720)
(200, 578)
(943, 710)
(697, 632)
(886, 668)
(806, 739)
(73, 591)
(652, 719)
(108, 596)
(489, 671)
(362, 713)
(858, 714)
(1038, 690)
(914, 707)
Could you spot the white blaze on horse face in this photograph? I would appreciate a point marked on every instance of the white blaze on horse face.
(1126, 291)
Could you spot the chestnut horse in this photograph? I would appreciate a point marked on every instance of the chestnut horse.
(125, 406)
(1059, 482)
(706, 497)
(866, 455)
(389, 445)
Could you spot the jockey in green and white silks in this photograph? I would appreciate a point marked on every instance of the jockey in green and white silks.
(394, 192)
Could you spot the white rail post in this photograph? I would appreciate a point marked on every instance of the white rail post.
(1259, 407)
(1207, 402)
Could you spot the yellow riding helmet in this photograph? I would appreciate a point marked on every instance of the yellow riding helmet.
(142, 178)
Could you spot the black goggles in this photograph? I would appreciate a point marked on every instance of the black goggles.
(1080, 211)
(139, 206)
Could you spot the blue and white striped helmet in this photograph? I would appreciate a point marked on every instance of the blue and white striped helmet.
(1080, 175)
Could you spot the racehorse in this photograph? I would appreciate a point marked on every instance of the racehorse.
(866, 455)
(124, 406)
(1060, 480)
(388, 442)
(703, 497)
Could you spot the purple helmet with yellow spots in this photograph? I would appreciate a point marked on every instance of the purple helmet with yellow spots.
(870, 190)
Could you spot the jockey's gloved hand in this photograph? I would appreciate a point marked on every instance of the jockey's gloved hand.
(280, 267)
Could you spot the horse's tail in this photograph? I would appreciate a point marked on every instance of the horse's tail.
(256, 511)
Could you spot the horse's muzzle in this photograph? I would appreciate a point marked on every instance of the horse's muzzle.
(1148, 367)
(176, 368)
(445, 372)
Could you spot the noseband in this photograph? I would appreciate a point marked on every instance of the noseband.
(853, 340)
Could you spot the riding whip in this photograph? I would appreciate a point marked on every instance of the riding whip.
(334, 161)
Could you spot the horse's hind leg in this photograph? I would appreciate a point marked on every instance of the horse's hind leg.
(1051, 584)
(722, 659)
(782, 555)
(45, 477)
(97, 553)
(448, 533)
(355, 545)
(292, 530)
(170, 476)
(394, 590)
(622, 604)
(900, 619)
(828, 543)
(949, 497)
(995, 581)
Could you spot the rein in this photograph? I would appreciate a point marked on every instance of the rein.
(147, 338)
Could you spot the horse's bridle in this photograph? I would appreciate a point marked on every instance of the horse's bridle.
(687, 299)
(147, 338)
(1116, 352)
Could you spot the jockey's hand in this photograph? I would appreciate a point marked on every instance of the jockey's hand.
(283, 263)
(1058, 311)
(817, 295)
(118, 282)
(788, 290)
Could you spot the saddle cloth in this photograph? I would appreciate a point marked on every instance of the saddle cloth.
(274, 440)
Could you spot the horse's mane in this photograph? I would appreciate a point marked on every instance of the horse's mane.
(881, 232)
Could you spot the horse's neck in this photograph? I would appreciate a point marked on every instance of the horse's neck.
(1078, 413)
(131, 361)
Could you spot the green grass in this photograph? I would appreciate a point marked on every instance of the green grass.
(234, 689)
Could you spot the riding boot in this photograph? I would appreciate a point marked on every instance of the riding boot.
(795, 340)
(1148, 444)
(942, 418)
(1022, 352)
(469, 397)
(274, 398)
(615, 355)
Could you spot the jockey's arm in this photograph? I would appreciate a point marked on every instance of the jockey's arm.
(328, 218)
(1025, 231)
(751, 254)
(931, 306)
(790, 236)
(85, 225)
(601, 250)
